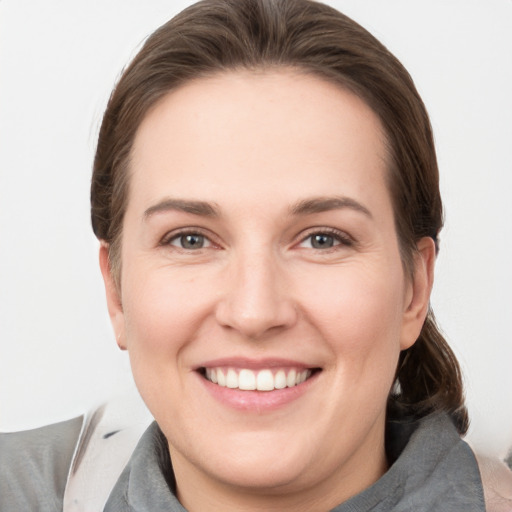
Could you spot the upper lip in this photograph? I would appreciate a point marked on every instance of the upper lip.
(255, 364)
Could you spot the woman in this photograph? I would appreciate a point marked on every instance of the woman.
(265, 191)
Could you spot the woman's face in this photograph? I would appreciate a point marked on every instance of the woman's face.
(259, 249)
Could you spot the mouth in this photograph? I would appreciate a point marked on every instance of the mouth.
(264, 379)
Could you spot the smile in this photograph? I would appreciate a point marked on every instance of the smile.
(257, 380)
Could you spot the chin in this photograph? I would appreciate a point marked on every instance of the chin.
(261, 472)
(260, 461)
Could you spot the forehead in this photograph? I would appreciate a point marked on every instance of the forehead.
(274, 132)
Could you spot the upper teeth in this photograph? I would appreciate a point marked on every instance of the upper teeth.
(262, 380)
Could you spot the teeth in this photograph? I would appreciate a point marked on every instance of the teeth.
(291, 379)
(262, 380)
(246, 380)
(265, 381)
(280, 380)
(231, 379)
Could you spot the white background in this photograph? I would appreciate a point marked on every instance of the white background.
(58, 62)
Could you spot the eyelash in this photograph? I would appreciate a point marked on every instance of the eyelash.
(341, 238)
(176, 235)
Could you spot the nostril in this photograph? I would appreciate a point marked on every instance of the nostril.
(255, 321)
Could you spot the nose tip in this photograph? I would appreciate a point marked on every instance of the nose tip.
(255, 322)
(256, 302)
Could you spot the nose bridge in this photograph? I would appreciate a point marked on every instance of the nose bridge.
(256, 298)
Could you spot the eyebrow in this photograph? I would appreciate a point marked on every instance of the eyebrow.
(324, 204)
(201, 208)
(303, 207)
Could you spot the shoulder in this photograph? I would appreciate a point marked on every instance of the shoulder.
(481, 475)
(435, 469)
(497, 482)
(34, 466)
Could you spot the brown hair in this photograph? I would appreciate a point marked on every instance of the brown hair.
(220, 35)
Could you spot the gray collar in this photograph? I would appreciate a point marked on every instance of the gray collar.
(435, 471)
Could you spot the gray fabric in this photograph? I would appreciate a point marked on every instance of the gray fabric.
(34, 467)
(142, 486)
(435, 471)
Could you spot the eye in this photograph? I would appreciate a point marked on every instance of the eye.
(322, 240)
(325, 240)
(189, 241)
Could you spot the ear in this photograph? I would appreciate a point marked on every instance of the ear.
(114, 305)
(418, 288)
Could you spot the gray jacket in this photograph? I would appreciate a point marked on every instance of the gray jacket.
(434, 470)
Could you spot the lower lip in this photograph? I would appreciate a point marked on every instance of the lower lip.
(258, 401)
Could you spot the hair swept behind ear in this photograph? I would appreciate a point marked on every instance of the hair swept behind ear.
(429, 378)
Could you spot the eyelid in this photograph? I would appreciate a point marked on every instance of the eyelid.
(189, 230)
(342, 237)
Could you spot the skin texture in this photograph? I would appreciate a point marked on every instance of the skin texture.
(257, 147)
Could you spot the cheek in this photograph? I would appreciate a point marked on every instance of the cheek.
(162, 310)
(364, 336)
(163, 314)
(359, 312)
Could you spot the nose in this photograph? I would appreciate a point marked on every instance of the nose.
(256, 299)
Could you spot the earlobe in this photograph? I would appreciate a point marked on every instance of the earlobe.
(418, 295)
(114, 305)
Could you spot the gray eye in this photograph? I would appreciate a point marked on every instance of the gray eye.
(191, 241)
(322, 241)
